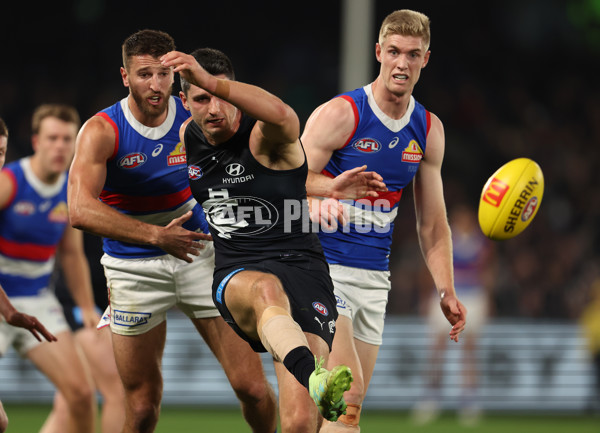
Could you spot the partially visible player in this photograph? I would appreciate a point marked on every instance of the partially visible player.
(475, 268)
(128, 183)
(34, 231)
(8, 312)
(96, 346)
(382, 126)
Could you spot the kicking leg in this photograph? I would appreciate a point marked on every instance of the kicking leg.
(261, 309)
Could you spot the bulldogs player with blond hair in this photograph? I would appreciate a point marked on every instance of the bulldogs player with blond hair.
(382, 126)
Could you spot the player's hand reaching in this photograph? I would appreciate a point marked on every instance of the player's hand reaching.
(32, 324)
(180, 242)
(357, 183)
(455, 312)
(329, 213)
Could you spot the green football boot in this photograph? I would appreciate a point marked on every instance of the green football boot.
(327, 389)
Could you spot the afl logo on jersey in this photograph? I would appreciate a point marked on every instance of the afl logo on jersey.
(234, 169)
(367, 145)
(194, 172)
(132, 160)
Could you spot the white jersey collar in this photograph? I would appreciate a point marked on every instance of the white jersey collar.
(394, 125)
(44, 190)
(151, 133)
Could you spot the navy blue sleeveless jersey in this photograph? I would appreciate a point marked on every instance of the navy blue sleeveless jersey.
(254, 213)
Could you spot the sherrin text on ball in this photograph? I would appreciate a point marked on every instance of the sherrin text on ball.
(511, 198)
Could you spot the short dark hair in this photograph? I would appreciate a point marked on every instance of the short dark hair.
(215, 62)
(152, 42)
(3, 129)
(66, 113)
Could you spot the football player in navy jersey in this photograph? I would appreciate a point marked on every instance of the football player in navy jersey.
(130, 157)
(271, 281)
(383, 126)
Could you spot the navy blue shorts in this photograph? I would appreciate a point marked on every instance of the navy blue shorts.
(306, 282)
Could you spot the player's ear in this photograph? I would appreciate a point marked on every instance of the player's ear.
(35, 141)
(184, 100)
(426, 58)
(124, 77)
(378, 52)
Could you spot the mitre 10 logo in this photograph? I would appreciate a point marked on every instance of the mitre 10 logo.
(495, 192)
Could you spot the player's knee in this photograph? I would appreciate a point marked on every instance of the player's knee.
(269, 288)
(143, 413)
(249, 390)
(81, 398)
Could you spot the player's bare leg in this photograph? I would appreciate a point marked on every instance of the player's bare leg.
(96, 346)
(297, 410)
(61, 363)
(260, 307)
(244, 370)
(361, 358)
(138, 361)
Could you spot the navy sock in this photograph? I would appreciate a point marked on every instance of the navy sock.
(301, 363)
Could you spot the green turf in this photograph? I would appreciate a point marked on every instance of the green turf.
(29, 418)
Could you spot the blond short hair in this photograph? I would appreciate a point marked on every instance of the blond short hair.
(406, 22)
(66, 113)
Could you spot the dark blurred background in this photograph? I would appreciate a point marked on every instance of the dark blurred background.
(508, 79)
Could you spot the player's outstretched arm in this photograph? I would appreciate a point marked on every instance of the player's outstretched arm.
(95, 145)
(433, 229)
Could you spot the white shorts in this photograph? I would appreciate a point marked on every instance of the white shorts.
(46, 308)
(142, 290)
(477, 312)
(362, 296)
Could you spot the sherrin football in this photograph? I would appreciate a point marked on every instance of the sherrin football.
(511, 198)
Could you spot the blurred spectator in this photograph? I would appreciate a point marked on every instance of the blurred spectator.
(474, 275)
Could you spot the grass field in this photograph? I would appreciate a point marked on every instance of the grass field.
(29, 418)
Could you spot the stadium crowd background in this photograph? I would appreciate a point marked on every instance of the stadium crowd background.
(508, 79)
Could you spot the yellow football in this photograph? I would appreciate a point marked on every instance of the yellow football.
(511, 198)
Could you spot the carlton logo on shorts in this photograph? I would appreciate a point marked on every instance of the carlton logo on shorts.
(129, 319)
